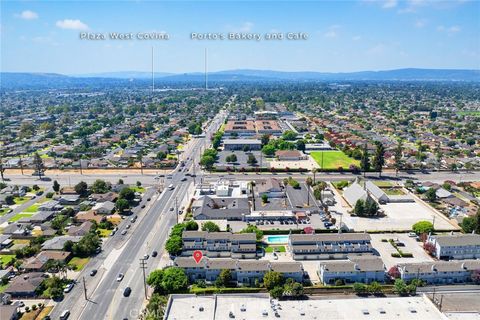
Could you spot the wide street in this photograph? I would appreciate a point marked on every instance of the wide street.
(148, 234)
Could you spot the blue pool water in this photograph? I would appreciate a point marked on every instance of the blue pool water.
(277, 239)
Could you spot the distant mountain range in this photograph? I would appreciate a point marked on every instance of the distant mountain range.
(137, 78)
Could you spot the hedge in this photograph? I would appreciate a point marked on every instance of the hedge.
(212, 290)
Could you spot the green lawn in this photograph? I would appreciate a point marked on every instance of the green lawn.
(333, 159)
(78, 263)
(469, 113)
(19, 216)
(6, 258)
(3, 287)
(33, 208)
(138, 189)
(21, 200)
(3, 211)
(383, 184)
(104, 232)
(270, 249)
(394, 192)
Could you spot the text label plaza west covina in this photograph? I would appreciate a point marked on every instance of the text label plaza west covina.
(250, 36)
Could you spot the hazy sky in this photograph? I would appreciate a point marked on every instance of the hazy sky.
(44, 36)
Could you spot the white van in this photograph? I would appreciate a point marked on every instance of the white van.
(65, 314)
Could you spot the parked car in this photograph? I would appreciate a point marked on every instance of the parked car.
(120, 277)
(68, 288)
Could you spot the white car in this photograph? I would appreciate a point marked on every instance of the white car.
(68, 288)
(120, 277)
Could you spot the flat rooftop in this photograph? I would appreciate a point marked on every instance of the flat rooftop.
(259, 306)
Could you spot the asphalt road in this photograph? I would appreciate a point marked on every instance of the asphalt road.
(148, 234)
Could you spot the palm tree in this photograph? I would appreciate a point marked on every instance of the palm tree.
(315, 170)
(309, 183)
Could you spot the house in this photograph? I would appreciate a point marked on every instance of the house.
(289, 155)
(68, 199)
(220, 244)
(51, 205)
(241, 144)
(5, 241)
(270, 187)
(270, 127)
(363, 269)
(328, 246)
(439, 272)
(80, 230)
(377, 193)
(25, 285)
(58, 243)
(455, 246)
(240, 128)
(104, 197)
(8, 312)
(106, 207)
(209, 208)
(39, 262)
(90, 215)
(242, 271)
(354, 193)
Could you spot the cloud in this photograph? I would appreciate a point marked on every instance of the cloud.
(378, 49)
(420, 23)
(71, 24)
(388, 4)
(332, 31)
(449, 30)
(27, 15)
(357, 38)
(246, 27)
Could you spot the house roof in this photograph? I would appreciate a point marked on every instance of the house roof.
(354, 193)
(458, 240)
(27, 282)
(335, 237)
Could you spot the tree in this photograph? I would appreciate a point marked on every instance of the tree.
(210, 227)
(231, 158)
(272, 279)
(400, 287)
(56, 186)
(174, 280)
(38, 164)
(379, 158)
(371, 207)
(359, 288)
(292, 288)
(10, 200)
(265, 139)
(422, 227)
(161, 155)
(365, 161)
(431, 194)
(251, 160)
(394, 272)
(268, 150)
(207, 162)
(100, 186)
(174, 245)
(224, 279)
(191, 225)
(264, 198)
(471, 224)
(359, 209)
(289, 135)
(253, 228)
(81, 188)
(374, 288)
(277, 292)
(127, 194)
(300, 145)
(398, 155)
(122, 205)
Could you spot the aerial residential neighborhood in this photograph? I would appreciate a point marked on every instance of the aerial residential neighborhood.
(252, 160)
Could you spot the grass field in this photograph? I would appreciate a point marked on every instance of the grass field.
(333, 159)
(104, 232)
(270, 249)
(469, 113)
(19, 216)
(21, 200)
(138, 189)
(394, 192)
(6, 258)
(33, 208)
(3, 211)
(383, 184)
(78, 263)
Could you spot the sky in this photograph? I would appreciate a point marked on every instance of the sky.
(342, 36)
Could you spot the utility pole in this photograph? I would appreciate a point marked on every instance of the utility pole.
(176, 209)
(80, 164)
(84, 289)
(21, 164)
(143, 266)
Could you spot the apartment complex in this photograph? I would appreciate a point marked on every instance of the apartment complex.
(458, 246)
(328, 246)
(440, 272)
(246, 128)
(220, 244)
(363, 269)
(242, 271)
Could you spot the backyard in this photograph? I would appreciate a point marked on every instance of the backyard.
(77, 263)
(19, 216)
(333, 159)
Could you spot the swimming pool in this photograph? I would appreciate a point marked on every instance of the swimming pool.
(277, 239)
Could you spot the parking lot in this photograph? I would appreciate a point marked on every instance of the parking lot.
(411, 245)
(242, 158)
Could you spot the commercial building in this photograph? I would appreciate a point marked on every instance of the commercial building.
(220, 244)
(328, 246)
(364, 269)
(260, 306)
(242, 144)
(457, 246)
